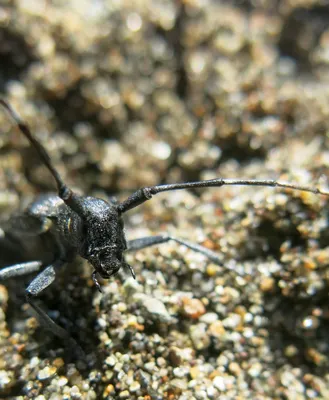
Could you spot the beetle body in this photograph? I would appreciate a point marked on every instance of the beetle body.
(56, 228)
(50, 230)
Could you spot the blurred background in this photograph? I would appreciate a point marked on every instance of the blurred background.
(127, 94)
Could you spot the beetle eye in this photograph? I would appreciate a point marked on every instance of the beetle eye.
(103, 257)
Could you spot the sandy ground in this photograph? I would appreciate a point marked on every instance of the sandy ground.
(126, 94)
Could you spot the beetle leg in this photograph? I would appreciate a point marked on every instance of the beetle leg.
(20, 269)
(147, 241)
(40, 283)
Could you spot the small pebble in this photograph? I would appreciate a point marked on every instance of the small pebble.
(193, 308)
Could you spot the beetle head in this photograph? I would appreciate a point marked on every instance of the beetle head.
(107, 262)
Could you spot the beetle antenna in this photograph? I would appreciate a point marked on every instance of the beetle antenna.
(64, 192)
(146, 193)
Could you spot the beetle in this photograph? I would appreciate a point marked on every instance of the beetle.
(64, 225)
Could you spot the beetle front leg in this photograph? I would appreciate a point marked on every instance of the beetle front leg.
(20, 269)
(40, 283)
(142, 243)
